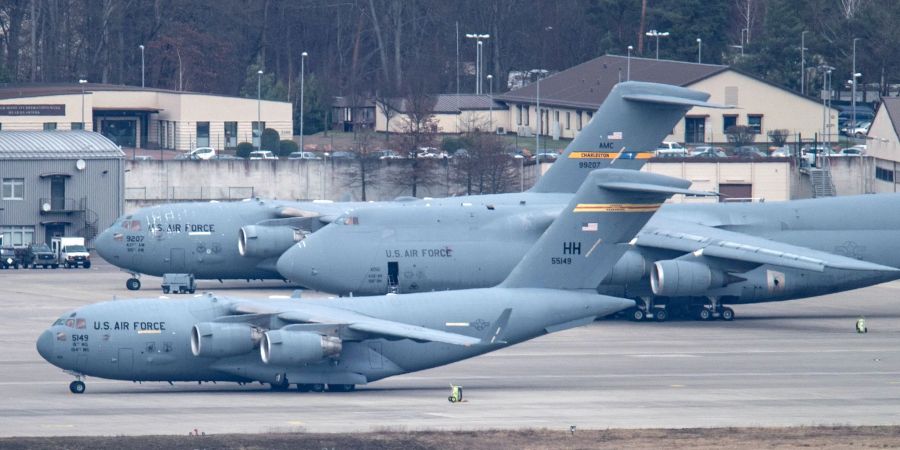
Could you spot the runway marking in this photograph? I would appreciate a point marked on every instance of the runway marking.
(295, 422)
(676, 385)
(446, 416)
(665, 355)
(57, 426)
(653, 375)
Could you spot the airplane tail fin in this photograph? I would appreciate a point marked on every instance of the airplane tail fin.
(590, 235)
(634, 118)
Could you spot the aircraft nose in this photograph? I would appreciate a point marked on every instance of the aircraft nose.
(290, 264)
(45, 345)
(104, 244)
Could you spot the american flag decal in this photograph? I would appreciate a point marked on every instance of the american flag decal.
(589, 226)
(615, 136)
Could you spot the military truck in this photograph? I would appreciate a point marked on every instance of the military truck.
(71, 252)
(39, 255)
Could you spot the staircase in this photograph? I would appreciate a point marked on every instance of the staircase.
(821, 183)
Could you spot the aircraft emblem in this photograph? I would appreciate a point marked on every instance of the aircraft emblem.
(851, 249)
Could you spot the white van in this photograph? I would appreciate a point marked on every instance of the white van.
(262, 154)
(670, 150)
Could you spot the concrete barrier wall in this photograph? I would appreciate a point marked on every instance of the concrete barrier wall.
(162, 181)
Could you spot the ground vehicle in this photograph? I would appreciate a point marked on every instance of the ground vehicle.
(430, 152)
(546, 156)
(8, 258)
(861, 130)
(143, 158)
(39, 255)
(709, 152)
(343, 155)
(223, 156)
(748, 152)
(781, 152)
(851, 152)
(71, 252)
(202, 153)
(180, 283)
(386, 154)
(304, 155)
(670, 150)
(262, 154)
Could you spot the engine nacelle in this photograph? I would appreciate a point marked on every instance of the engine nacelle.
(267, 241)
(218, 340)
(675, 278)
(289, 348)
(631, 268)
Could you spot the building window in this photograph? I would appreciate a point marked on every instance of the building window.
(754, 121)
(526, 116)
(77, 125)
(728, 121)
(17, 235)
(568, 120)
(49, 126)
(556, 116)
(202, 134)
(13, 189)
(230, 134)
(578, 120)
(884, 174)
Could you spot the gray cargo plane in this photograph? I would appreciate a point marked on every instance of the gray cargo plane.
(244, 240)
(694, 257)
(341, 343)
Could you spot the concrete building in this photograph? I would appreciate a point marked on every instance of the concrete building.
(135, 117)
(58, 183)
(452, 114)
(569, 98)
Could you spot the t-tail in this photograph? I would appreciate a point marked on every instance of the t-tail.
(631, 122)
(590, 235)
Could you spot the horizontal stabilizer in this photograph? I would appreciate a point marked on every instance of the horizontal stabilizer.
(670, 100)
(653, 188)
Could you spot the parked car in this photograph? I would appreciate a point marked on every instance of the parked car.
(748, 152)
(546, 157)
(262, 154)
(223, 156)
(850, 151)
(709, 152)
(781, 152)
(143, 158)
(201, 153)
(304, 155)
(343, 155)
(670, 150)
(386, 154)
(40, 255)
(704, 149)
(9, 258)
(861, 130)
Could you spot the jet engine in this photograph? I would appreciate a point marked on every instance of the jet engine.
(288, 348)
(631, 268)
(675, 278)
(267, 241)
(218, 340)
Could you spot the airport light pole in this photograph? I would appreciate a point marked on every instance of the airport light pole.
(142, 64)
(82, 82)
(657, 35)
(803, 62)
(478, 52)
(491, 112)
(699, 50)
(628, 64)
(302, 83)
(853, 89)
(259, 106)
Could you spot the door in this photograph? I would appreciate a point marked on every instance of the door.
(177, 259)
(126, 361)
(53, 230)
(694, 130)
(393, 275)
(57, 193)
(736, 192)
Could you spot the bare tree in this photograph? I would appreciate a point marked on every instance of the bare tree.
(740, 135)
(363, 173)
(418, 130)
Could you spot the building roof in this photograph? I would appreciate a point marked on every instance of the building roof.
(57, 145)
(587, 84)
(23, 90)
(454, 104)
(892, 106)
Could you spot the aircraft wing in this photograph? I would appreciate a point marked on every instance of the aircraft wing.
(310, 313)
(708, 241)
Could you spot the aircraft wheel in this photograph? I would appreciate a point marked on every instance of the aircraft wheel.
(55, 266)
(637, 315)
(133, 284)
(661, 315)
(165, 290)
(87, 265)
(304, 387)
(341, 387)
(727, 313)
(77, 387)
(318, 387)
(704, 314)
(68, 266)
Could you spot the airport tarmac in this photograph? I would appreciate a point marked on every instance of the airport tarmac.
(781, 364)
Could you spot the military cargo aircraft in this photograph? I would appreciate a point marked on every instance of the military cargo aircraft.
(690, 258)
(244, 240)
(341, 343)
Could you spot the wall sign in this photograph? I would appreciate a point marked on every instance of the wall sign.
(32, 110)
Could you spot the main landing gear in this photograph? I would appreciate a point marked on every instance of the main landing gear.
(714, 310)
(319, 387)
(77, 387)
(133, 283)
(648, 310)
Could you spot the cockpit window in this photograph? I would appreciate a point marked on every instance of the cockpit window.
(347, 219)
(131, 225)
(58, 322)
(80, 324)
(70, 323)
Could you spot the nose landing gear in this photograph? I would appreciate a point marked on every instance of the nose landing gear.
(77, 387)
(133, 283)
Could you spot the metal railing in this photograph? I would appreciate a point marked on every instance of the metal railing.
(60, 204)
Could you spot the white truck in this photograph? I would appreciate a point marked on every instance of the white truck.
(71, 252)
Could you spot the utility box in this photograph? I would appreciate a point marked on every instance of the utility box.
(178, 283)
